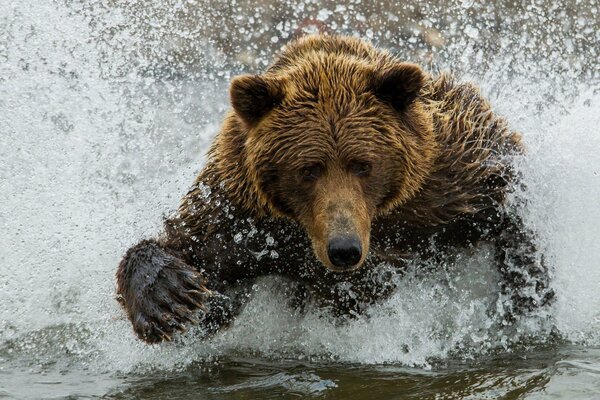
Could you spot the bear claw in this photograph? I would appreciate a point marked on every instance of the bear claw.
(159, 292)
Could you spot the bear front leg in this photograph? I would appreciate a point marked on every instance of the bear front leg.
(525, 278)
(159, 292)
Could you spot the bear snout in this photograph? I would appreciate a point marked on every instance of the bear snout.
(340, 243)
(344, 252)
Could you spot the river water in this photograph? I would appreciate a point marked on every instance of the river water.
(106, 110)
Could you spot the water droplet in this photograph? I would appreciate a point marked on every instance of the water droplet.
(472, 32)
(238, 238)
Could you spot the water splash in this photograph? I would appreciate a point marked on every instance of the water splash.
(106, 110)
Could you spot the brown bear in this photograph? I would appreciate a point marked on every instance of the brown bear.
(338, 159)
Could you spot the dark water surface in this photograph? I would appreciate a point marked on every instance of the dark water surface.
(563, 373)
(567, 372)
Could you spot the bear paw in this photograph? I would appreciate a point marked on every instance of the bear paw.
(159, 292)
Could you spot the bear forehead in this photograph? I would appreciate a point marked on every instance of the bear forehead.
(328, 111)
(325, 75)
(321, 133)
(329, 95)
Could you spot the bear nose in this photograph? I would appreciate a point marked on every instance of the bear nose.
(344, 251)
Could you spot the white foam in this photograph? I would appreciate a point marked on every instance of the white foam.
(563, 178)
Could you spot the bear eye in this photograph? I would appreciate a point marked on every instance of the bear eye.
(360, 168)
(311, 173)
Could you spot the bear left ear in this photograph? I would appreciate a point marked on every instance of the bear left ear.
(399, 85)
(253, 96)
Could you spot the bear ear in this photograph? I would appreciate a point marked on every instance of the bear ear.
(253, 96)
(399, 85)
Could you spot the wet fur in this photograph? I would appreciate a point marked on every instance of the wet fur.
(444, 176)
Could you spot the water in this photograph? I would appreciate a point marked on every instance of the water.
(106, 109)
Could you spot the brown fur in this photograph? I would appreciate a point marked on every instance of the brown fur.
(335, 138)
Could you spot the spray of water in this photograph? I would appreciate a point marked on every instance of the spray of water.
(106, 109)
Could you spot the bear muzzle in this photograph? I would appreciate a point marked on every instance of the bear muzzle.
(343, 243)
(339, 225)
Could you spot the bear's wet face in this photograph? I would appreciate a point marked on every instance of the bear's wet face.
(334, 153)
(335, 202)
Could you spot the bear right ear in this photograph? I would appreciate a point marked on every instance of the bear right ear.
(253, 96)
(399, 85)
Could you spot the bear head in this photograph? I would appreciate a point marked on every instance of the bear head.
(334, 135)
